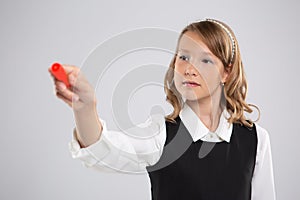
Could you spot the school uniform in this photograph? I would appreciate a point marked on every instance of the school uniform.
(184, 160)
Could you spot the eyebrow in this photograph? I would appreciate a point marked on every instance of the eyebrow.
(203, 52)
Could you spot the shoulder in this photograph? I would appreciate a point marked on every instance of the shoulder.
(256, 132)
(261, 132)
(172, 128)
(174, 125)
(263, 145)
(262, 136)
(245, 132)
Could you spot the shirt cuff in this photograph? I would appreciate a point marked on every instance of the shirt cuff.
(84, 154)
(113, 152)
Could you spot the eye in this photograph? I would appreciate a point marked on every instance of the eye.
(207, 61)
(183, 57)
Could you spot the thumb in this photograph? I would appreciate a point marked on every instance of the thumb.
(71, 69)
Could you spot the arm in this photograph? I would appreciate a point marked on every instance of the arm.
(81, 98)
(263, 181)
(118, 151)
(96, 146)
(88, 126)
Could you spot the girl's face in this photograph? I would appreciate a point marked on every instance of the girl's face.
(198, 73)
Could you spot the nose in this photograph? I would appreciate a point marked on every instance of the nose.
(190, 70)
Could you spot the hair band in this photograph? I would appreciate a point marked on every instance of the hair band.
(229, 34)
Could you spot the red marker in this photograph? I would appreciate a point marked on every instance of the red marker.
(59, 73)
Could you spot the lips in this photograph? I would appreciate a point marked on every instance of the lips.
(190, 83)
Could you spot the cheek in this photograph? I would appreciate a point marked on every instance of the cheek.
(179, 71)
(178, 67)
(178, 78)
(211, 76)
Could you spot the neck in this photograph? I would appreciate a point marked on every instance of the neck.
(208, 109)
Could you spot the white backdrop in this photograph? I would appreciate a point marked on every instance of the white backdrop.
(36, 127)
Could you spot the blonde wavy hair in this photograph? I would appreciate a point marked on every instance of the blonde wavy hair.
(235, 89)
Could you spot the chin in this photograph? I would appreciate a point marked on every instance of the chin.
(196, 98)
(190, 97)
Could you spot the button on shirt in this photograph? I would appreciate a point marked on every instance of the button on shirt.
(199, 131)
(130, 151)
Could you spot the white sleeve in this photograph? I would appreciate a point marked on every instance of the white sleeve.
(263, 187)
(128, 151)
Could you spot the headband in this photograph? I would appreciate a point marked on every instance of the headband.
(229, 34)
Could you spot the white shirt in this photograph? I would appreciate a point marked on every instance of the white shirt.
(123, 151)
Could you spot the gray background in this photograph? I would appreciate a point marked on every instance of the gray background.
(36, 128)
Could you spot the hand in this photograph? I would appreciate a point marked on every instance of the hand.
(80, 95)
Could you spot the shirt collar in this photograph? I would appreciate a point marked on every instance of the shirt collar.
(198, 130)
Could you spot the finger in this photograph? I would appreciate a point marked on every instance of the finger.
(53, 77)
(50, 72)
(71, 69)
(60, 86)
(69, 99)
(72, 74)
(64, 99)
(67, 93)
(76, 85)
(72, 80)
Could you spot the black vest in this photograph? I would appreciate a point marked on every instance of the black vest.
(225, 173)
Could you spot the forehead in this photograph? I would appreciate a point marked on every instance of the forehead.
(191, 41)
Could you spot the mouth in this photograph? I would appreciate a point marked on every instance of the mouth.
(190, 83)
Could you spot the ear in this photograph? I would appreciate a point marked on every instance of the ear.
(225, 75)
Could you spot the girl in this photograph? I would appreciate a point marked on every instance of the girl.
(206, 148)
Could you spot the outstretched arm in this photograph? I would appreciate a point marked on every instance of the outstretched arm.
(124, 151)
(81, 98)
